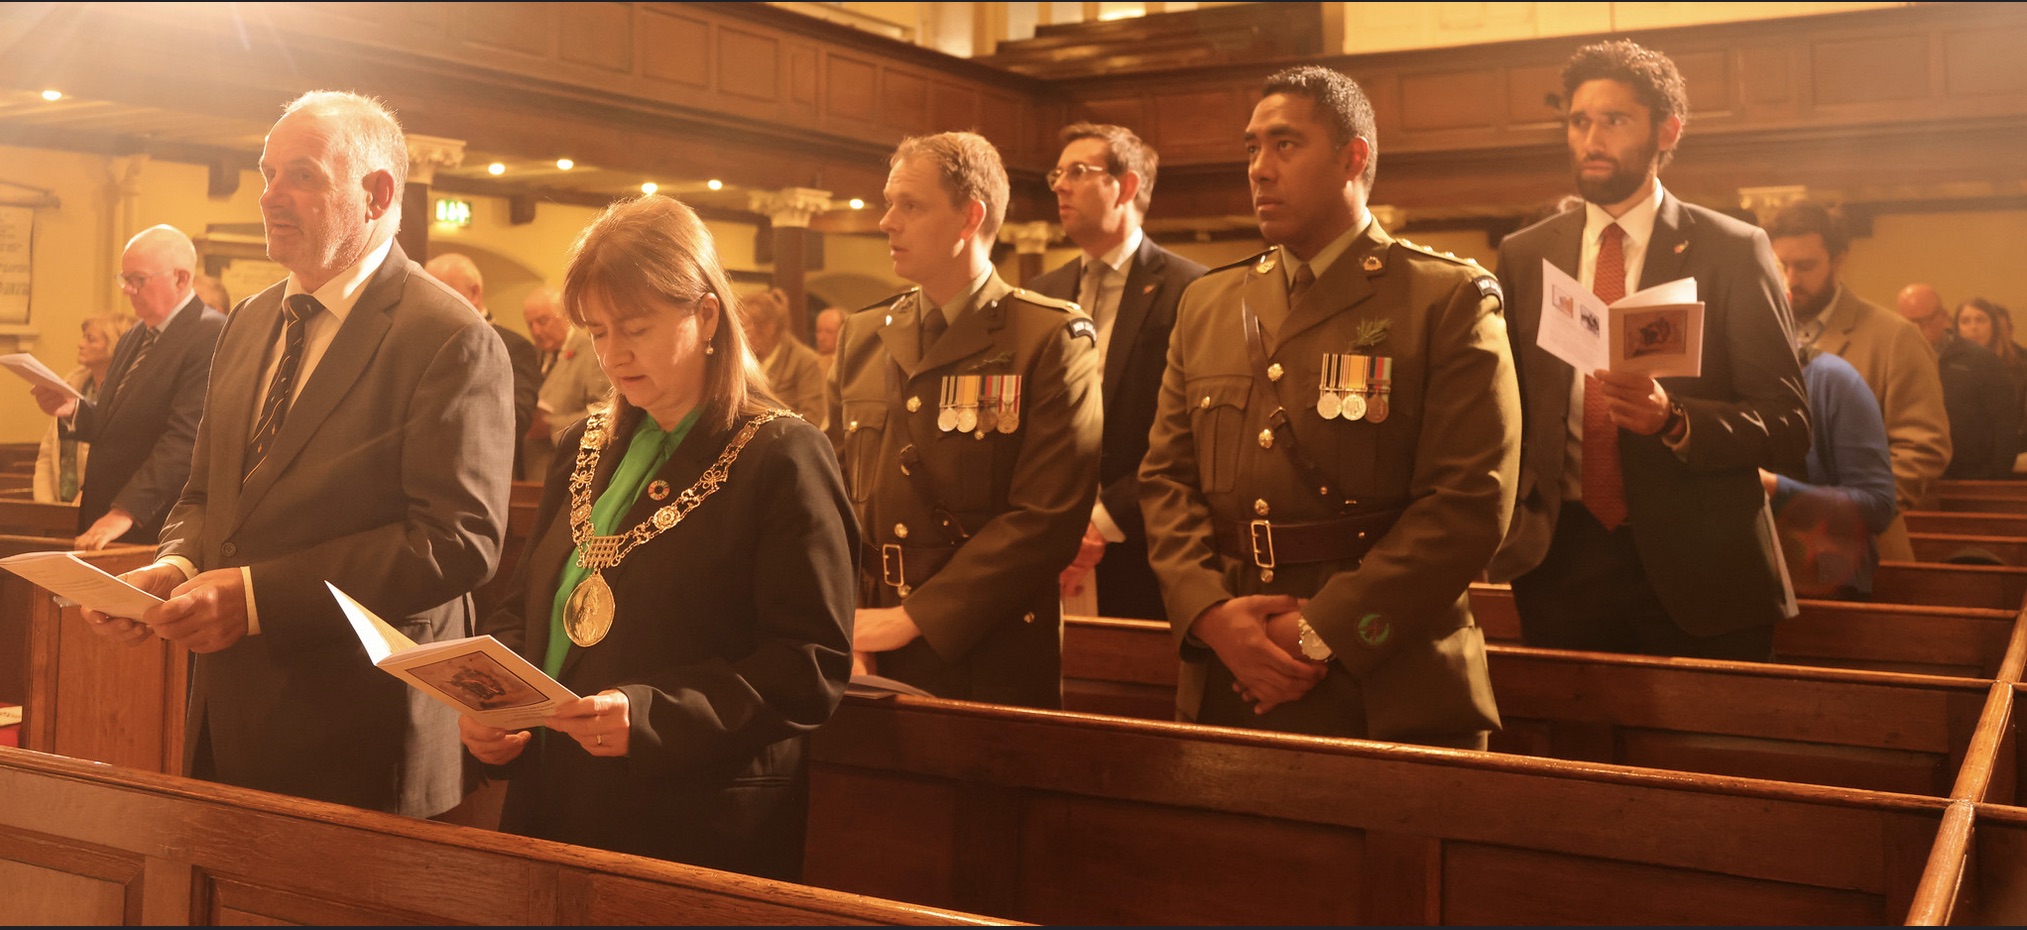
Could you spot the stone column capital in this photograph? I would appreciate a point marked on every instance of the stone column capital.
(428, 153)
(1031, 238)
(789, 206)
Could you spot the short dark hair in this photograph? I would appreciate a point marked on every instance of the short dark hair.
(1124, 151)
(1807, 216)
(970, 169)
(1652, 76)
(1340, 104)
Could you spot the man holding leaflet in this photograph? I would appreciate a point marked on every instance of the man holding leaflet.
(1641, 525)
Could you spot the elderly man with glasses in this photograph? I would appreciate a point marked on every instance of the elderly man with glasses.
(144, 419)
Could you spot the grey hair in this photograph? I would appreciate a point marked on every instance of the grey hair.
(367, 132)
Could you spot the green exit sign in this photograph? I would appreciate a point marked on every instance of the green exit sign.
(454, 212)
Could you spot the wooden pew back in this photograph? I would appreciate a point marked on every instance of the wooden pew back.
(1067, 818)
(1855, 729)
(33, 518)
(89, 844)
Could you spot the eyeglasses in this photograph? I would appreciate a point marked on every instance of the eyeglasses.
(134, 282)
(1077, 172)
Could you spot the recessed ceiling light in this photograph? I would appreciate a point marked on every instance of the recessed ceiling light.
(52, 95)
(649, 187)
(858, 204)
(496, 168)
(565, 164)
(715, 184)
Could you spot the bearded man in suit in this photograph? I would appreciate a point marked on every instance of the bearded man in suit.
(1641, 525)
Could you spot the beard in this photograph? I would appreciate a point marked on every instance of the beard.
(1807, 305)
(1624, 181)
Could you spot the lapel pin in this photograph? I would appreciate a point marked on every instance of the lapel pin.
(1372, 263)
(1149, 289)
(1681, 247)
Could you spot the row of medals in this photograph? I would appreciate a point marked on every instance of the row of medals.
(1354, 387)
(979, 403)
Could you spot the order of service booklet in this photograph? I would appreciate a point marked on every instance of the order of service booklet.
(477, 675)
(1657, 332)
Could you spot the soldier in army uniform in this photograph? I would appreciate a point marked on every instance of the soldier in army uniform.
(967, 418)
(1334, 455)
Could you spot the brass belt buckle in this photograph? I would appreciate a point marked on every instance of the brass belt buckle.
(1261, 534)
(893, 569)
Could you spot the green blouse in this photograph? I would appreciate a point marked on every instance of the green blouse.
(649, 449)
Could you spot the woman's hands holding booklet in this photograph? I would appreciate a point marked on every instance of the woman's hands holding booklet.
(599, 723)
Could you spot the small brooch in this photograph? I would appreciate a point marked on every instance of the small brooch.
(1371, 333)
(658, 490)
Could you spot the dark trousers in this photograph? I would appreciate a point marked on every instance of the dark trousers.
(1126, 583)
(1591, 594)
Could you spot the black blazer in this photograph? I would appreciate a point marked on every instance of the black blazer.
(1698, 522)
(527, 383)
(731, 640)
(1132, 380)
(141, 432)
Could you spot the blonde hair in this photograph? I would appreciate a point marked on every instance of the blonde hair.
(970, 169)
(654, 251)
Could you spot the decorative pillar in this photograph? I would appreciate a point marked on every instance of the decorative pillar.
(425, 155)
(790, 210)
(1031, 242)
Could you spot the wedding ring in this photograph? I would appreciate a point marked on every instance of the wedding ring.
(601, 739)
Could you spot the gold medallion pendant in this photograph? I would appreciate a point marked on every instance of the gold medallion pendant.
(587, 616)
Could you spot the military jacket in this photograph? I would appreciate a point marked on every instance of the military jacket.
(1444, 456)
(972, 469)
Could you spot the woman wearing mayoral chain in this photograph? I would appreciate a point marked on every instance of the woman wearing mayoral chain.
(690, 570)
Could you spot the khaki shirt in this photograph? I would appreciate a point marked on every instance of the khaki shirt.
(1447, 454)
(976, 525)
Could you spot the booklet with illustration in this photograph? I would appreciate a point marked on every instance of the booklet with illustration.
(80, 582)
(1657, 332)
(477, 675)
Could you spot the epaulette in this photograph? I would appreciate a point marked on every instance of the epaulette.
(1042, 300)
(1453, 257)
(887, 301)
(1242, 263)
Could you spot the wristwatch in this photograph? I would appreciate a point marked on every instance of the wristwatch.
(1313, 647)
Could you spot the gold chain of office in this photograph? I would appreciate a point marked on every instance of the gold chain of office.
(587, 615)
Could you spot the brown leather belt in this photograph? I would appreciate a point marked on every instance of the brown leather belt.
(1268, 543)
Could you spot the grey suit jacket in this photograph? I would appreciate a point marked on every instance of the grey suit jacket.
(388, 479)
(1697, 518)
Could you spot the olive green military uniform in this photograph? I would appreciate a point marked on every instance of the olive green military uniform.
(1428, 489)
(969, 528)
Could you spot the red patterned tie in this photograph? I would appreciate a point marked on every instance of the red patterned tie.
(1604, 482)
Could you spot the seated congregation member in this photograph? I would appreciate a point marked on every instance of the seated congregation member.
(1340, 613)
(967, 414)
(1983, 323)
(690, 571)
(794, 372)
(1981, 398)
(1641, 524)
(1829, 525)
(59, 462)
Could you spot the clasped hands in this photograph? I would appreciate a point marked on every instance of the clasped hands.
(1637, 403)
(601, 723)
(207, 613)
(1255, 636)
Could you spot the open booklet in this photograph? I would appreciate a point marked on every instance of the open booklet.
(477, 675)
(1657, 332)
(80, 582)
(33, 371)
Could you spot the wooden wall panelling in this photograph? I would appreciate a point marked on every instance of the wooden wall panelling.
(600, 35)
(675, 47)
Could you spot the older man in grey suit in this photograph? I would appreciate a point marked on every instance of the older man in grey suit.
(359, 431)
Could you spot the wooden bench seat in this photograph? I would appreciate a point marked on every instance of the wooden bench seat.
(1058, 817)
(1974, 524)
(1854, 729)
(2002, 587)
(34, 518)
(82, 843)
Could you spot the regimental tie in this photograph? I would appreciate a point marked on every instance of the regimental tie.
(933, 325)
(1604, 481)
(1304, 277)
(148, 337)
(299, 309)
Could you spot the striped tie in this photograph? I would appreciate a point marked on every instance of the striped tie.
(299, 310)
(148, 337)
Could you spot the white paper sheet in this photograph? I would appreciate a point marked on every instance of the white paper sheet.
(33, 371)
(67, 576)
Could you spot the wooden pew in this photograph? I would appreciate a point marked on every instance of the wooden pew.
(91, 844)
(32, 518)
(1854, 729)
(1964, 547)
(1066, 818)
(1968, 642)
(1995, 586)
(1970, 524)
(83, 695)
(1981, 501)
